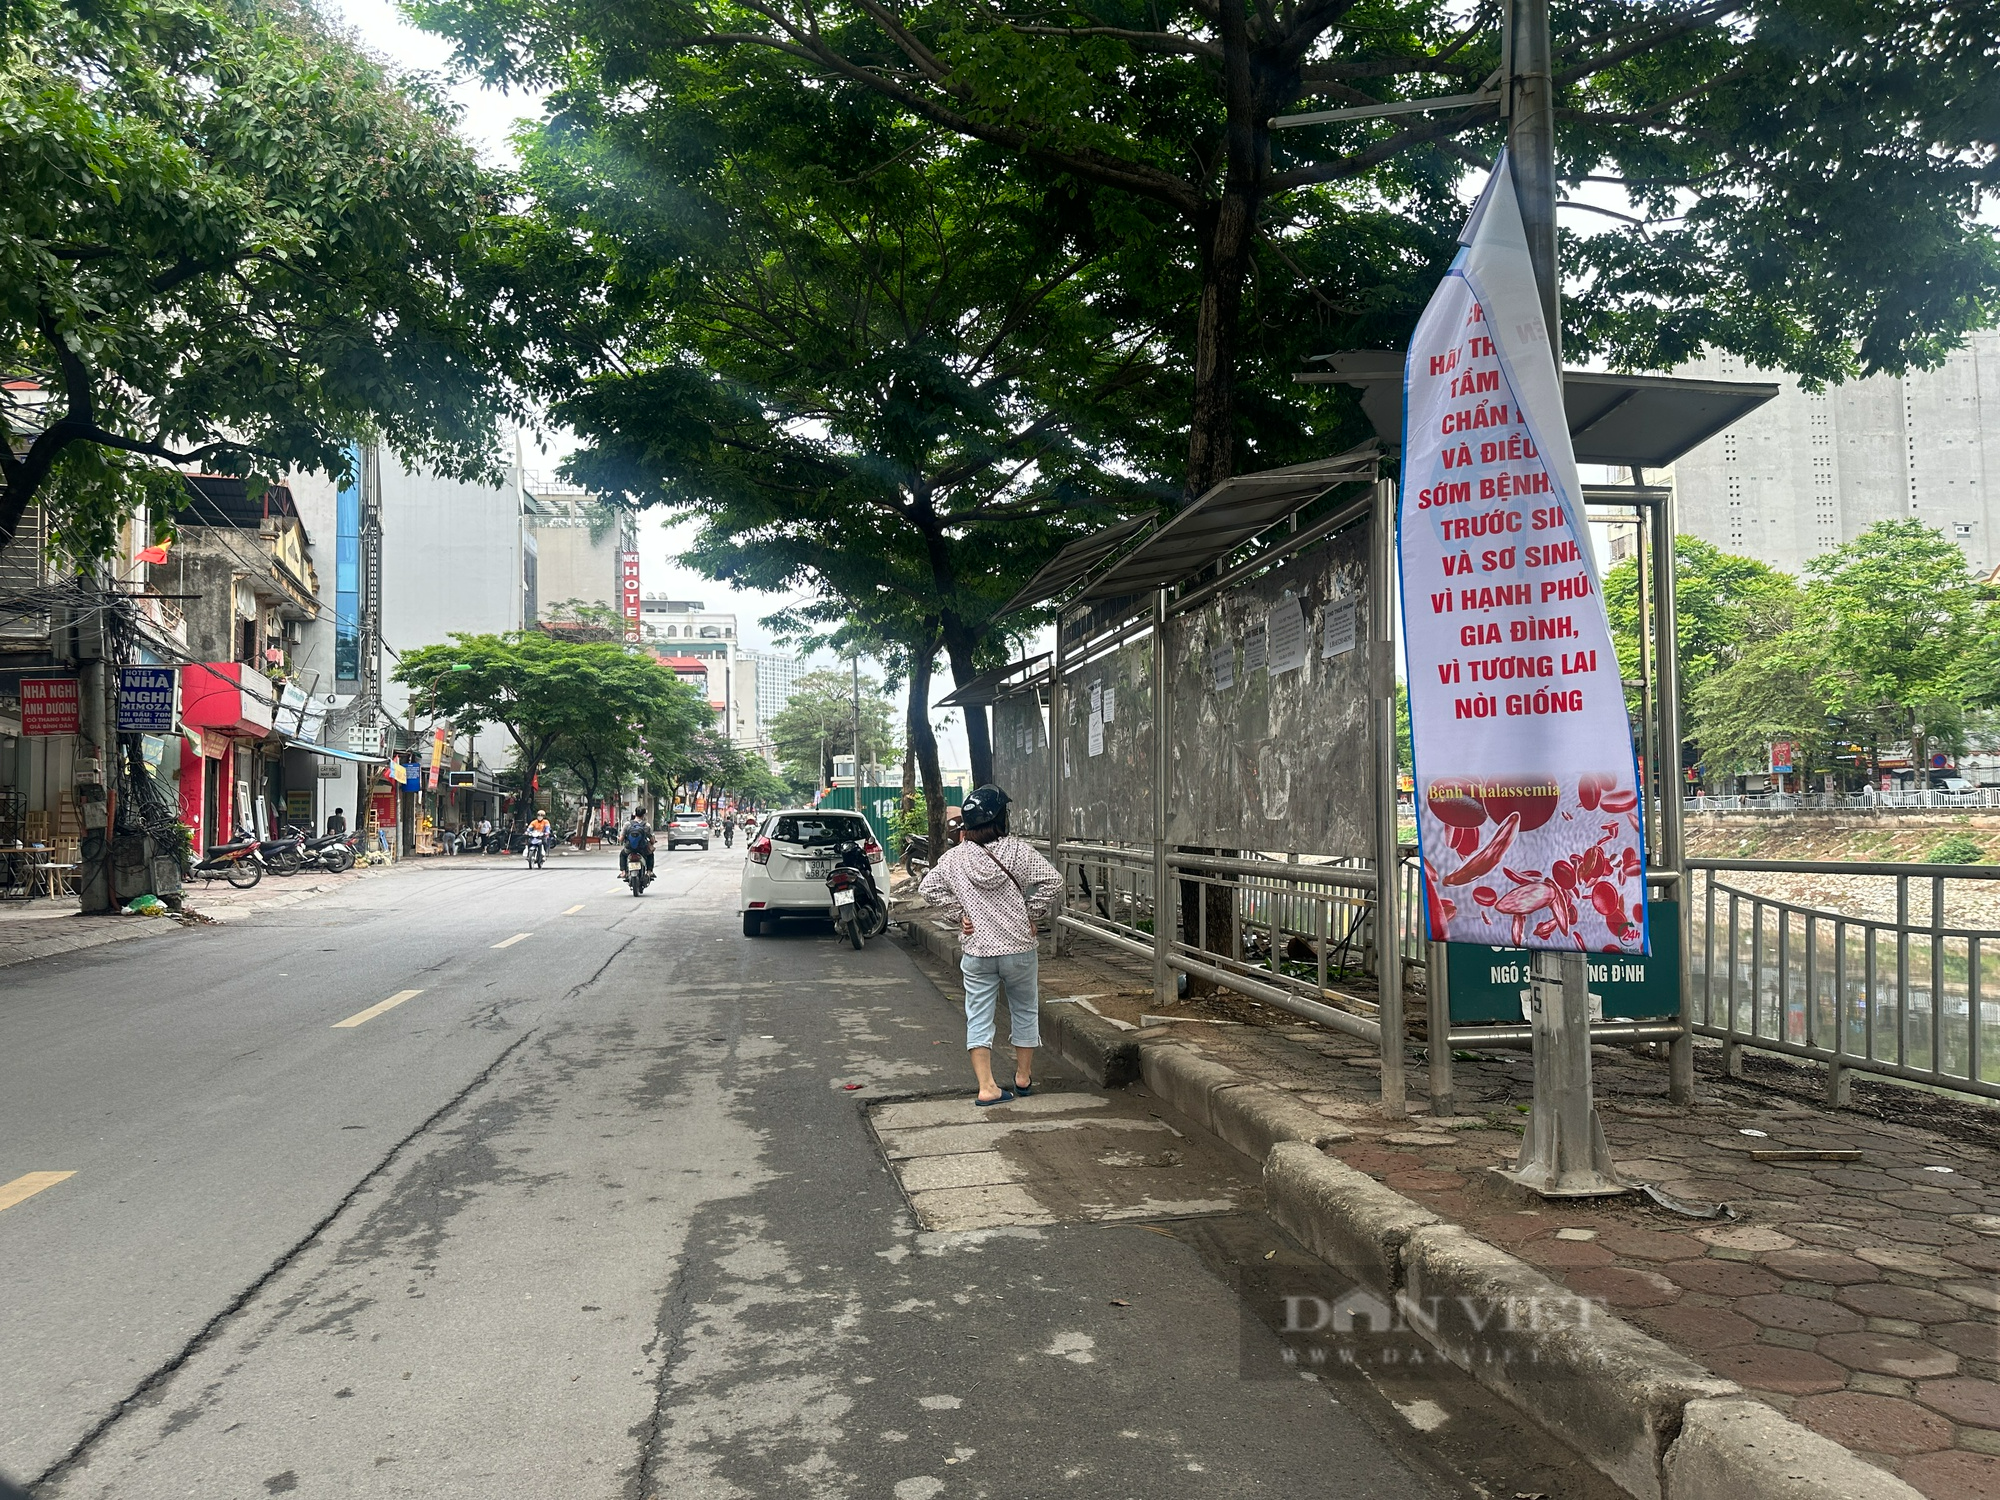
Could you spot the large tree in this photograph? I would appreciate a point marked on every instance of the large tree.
(817, 724)
(229, 238)
(877, 364)
(1805, 178)
(548, 693)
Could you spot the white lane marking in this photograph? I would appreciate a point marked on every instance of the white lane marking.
(510, 942)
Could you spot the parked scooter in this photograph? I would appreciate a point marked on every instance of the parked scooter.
(237, 862)
(858, 908)
(330, 853)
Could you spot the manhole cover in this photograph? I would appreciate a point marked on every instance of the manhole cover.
(1053, 1159)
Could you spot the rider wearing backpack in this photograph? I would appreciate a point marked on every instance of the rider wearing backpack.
(637, 840)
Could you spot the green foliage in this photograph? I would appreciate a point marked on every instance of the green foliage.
(227, 237)
(1956, 849)
(1722, 603)
(591, 707)
(1770, 692)
(818, 724)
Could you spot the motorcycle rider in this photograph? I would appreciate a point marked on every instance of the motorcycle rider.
(636, 839)
(728, 833)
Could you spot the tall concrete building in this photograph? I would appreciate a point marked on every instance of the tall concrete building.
(574, 544)
(1812, 470)
(777, 676)
(686, 629)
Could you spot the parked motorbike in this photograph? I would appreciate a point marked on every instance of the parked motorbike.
(237, 862)
(858, 908)
(330, 853)
(284, 855)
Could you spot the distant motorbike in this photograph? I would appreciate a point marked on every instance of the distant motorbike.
(534, 851)
(236, 861)
(859, 910)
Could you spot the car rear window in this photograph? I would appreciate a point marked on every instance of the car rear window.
(819, 830)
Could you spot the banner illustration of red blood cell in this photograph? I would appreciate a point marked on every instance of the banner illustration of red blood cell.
(1528, 807)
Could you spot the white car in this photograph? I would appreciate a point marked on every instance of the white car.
(788, 859)
(686, 828)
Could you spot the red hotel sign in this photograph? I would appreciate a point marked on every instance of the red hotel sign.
(50, 705)
(628, 593)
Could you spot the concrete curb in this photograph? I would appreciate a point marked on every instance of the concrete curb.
(1730, 1449)
(1103, 1053)
(1658, 1424)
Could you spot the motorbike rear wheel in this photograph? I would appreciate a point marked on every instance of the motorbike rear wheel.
(243, 873)
(878, 921)
(285, 861)
(851, 924)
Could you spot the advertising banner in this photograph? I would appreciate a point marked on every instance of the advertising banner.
(1526, 791)
(50, 705)
(146, 700)
(628, 593)
(437, 755)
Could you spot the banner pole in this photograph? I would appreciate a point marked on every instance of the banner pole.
(1388, 853)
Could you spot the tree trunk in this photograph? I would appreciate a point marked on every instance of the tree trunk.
(923, 744)
(959, 646)
(1225, 265)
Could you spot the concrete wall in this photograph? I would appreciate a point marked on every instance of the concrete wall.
(1810, 471)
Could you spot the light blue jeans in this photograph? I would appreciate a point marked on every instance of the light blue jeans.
(983, 978)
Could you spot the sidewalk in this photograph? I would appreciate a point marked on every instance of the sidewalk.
(1859, 1297)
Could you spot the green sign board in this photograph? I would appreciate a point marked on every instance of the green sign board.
(1487, 984)
(879, 805)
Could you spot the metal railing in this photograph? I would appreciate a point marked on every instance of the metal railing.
(1300, 935)
(1910, 995)
(1936, 797)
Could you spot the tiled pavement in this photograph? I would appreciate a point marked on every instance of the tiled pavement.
(1862, 1297)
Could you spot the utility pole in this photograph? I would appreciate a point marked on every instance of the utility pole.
(1564, 1153)
(857, 730)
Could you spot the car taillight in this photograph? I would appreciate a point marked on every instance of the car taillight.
(760, 851)
(872, 849)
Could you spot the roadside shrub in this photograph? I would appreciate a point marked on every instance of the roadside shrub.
(1956, 850)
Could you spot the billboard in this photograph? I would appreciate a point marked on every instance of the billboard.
(628, 593)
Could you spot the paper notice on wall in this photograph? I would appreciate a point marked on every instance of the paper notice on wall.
(1097, 697)
(1222, 666)
(1285, 629)
(1254, 647)
(1337, 627)
(1096, 732)
(1527, 795)
(1110, 705)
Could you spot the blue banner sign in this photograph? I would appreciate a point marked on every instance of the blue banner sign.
(146, 700)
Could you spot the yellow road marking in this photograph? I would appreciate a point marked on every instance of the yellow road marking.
(510, 942)
(574, 910)
(28, 1185)
(375, 1010)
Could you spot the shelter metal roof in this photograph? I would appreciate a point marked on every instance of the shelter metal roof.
(1648, 420)
(986, 687)
(1073, 562)
(1225, 517)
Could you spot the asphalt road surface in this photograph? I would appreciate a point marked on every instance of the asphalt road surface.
(588, 1211)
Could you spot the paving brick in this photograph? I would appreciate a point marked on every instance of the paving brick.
(1981, 1294)
(1924, 1232)
(1887, 1354)
(1983, 1255)
(1650, 1244)
(1623, 1286)
(1902, 1258)
(1721, 1278)
(1974, 1340)
(1698, 1328)
(1841, 1236)
(1764, 1367)
(1976, 1403)
(1858, 1180)
(1819, 1265)
(1564, 1254)
(1807, 1315)
(1874, 1424)
(1920, 1202)
(1954, 1475)
(1907, 1303)
(1428, 1180)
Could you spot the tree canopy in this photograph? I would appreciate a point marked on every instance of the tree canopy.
(580, 703)
(229, 238)
(1805, 179)
(818, 724)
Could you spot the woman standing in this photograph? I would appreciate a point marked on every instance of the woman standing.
(998, 888)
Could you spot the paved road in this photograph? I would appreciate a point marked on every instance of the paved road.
(586, 1213)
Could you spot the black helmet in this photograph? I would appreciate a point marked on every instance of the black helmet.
(983, 807)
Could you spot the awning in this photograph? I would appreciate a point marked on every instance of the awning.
(312, 749)
(985, 688)
(1073, 562)
(1227, 516)
(1648, 420)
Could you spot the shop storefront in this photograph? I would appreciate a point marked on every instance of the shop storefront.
(226, 711)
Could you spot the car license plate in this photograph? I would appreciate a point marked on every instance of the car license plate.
(843, 898)
(820, 868)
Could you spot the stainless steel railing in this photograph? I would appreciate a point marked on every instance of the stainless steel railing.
(1895, 987)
